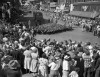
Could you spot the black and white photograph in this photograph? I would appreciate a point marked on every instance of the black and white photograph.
(49, 38)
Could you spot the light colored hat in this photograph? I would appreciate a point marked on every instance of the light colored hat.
(16, 42)
(90, 47)
(34, 49)
(73, 42)
(5, 39)
(13, 64)
(66, 57)
(80, 54)
(48, 48)
(26, 34)
(21, 39)
(57, 57)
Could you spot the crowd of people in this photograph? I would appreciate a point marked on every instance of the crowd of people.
(20, 50)
(88, 25)
(52, 28)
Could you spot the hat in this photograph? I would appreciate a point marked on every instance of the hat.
(66, 57)
(5, 39)
(57, 57)
(16, 42)
(48, 48)
(34, 49)
(27, 34)
(90, 47)
(72, 54)
(13, 64)
(88, 43)
(21, 39)
(73, 42)
(80, 54)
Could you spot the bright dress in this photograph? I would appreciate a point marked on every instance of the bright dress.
(27, 60)
(34, 62)
(43, 71)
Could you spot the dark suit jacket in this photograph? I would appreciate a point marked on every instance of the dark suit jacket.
(12, 72)
(97, 64)
(80, 65)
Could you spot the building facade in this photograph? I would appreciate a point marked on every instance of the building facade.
(75, 1)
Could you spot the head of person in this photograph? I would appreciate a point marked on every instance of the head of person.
(67, 57)
(87, 52)
(34, 49)
(57, 57)
(44, 56)
(13, 64)
(77, 69)
(88, 43)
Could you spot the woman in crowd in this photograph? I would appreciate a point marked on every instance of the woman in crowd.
(27, 60)
(43, 66)
(78, 55)
(34, 62)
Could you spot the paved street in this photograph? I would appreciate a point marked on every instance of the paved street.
(76, 34)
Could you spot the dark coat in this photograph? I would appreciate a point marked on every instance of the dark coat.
(12, 72)
(80, 65)
(97, 67)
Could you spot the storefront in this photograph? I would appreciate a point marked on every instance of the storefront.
(86, 9)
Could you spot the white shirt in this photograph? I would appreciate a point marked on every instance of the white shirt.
(47, 50)
(53, 66)
(73, 74)
(66, 65)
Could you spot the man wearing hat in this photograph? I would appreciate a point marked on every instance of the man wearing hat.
(66, 66)
(59, 62)
(13, 69)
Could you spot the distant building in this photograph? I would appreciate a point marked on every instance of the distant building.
(89, 9)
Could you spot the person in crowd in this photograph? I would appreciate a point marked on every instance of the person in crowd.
(80, 63)
(66, 66)
(59, 62)
(87, 63)
(27, 60)
(54, 68)
(12, 69)
(34, 62)
(74, 73)
(43, 66)
(97, 68)
(18, 43)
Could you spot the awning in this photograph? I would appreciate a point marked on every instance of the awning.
(87, 3)
(84, 14)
